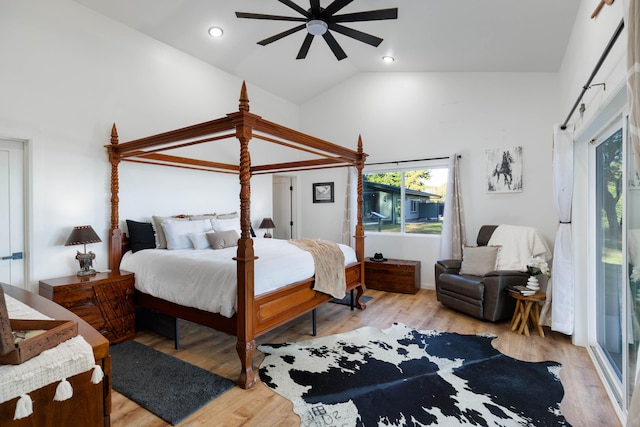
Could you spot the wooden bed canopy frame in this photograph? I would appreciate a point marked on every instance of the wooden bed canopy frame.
(255, 315)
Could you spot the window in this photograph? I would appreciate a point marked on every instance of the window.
(404, 200)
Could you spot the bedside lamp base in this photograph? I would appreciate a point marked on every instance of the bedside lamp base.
(86, 263)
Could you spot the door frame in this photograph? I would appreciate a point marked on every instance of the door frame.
(293, 200)
(27, 202)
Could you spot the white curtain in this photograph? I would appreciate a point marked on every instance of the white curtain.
(558, 311)
(633, 75)
(632, 24)
(453, 235)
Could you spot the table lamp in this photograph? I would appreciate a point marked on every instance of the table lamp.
(268, 224)
(81, 235)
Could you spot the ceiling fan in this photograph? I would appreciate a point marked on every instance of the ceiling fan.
(318, 21)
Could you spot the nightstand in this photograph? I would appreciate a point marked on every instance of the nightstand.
(392, 275)
(104, 300)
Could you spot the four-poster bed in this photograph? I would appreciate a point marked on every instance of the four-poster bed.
(254, 315)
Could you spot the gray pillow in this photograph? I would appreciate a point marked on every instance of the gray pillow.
(479, 260)
(223, 239)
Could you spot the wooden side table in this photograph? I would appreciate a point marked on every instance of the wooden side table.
(527, 312)
(104, 300)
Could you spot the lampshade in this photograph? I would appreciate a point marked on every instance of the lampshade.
(267, 223)
(81, 235)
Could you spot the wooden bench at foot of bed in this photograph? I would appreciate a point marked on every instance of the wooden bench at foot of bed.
(272, 309)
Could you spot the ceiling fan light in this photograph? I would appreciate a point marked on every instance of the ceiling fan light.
(215, 32)
(317, 27)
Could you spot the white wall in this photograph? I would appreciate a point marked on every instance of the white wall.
(67, 75)
(404, 116)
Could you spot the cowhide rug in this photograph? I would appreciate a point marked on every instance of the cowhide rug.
(401, 376)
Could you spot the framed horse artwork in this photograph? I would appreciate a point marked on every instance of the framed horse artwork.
(504, 170)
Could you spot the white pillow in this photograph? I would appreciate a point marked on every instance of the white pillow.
(199, 240)
(226, 224)
(161, 240)
(177, 232)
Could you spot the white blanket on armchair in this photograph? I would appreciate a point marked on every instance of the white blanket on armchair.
(518, 243)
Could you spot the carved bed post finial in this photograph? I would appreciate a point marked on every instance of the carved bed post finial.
(244, 98)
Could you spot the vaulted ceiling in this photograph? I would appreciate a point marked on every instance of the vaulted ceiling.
(429, 35)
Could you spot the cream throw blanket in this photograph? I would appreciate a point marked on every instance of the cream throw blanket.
(329, 265)
(517, 245)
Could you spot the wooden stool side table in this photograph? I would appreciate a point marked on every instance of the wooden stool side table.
(527, 312)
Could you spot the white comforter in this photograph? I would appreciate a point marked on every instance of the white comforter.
(206, 278)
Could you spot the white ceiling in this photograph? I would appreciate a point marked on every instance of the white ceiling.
(429, 35)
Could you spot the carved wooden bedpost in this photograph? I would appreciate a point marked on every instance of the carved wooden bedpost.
(115, 234)
(359, 237)
(245, 258)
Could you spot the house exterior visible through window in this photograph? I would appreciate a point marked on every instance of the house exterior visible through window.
(404, 201)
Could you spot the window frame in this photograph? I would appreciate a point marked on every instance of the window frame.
(407, 166)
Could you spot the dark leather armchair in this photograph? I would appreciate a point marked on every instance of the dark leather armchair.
(484, 296)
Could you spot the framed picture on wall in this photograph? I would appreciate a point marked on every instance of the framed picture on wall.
(323, 192)
(504, 170)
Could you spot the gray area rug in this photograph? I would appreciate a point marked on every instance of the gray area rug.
(405, 377)
(169, 387)
(347, 300)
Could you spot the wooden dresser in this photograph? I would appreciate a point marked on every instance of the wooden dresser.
(90, 404)
(393, 275)
(104, 300)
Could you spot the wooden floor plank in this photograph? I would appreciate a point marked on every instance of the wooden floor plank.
(585, 403)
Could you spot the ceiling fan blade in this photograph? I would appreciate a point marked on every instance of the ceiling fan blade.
(370, 15)
(355, 34)
(335, 6)
(269, 17)
(304, 49)
(315, 7)
(295, 7)
(281, 35)
(335, 47)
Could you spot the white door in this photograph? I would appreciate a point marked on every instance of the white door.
(12, 231)
(283, 207)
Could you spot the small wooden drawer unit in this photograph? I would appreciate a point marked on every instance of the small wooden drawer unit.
(393, 275)
(104, 300)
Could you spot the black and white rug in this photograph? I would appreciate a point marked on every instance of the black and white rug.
(403, 377)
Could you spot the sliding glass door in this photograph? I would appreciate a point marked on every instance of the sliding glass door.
(616, 251)
(608, 254)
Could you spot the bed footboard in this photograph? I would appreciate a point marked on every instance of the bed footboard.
(277, 308)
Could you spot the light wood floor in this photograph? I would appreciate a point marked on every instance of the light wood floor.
(585, 402)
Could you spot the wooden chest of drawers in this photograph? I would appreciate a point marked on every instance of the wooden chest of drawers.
(104, 300)
(393, 275)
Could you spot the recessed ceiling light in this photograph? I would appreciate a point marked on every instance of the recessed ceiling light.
(388, 59)
(215, 32)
